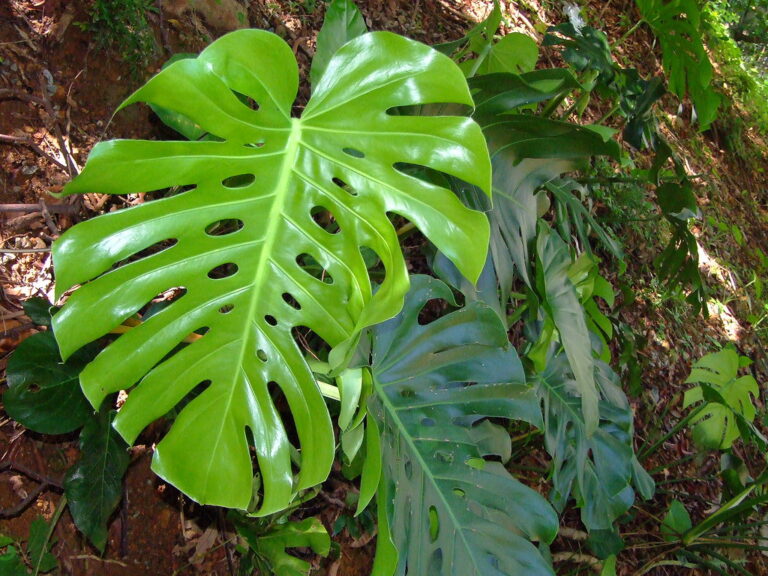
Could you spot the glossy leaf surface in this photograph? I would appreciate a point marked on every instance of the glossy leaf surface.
(451, 507)
(44, 393)
(239, 239)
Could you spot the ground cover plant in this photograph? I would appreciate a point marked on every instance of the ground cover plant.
(259, 304)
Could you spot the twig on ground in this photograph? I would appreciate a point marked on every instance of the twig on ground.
(29, 473)
(14, 511)
(30, 144)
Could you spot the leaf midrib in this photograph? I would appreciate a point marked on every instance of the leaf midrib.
(291, 149)
(393, 412)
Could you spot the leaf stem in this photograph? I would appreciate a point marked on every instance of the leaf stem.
(644, 453)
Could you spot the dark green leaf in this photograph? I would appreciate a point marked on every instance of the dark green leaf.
(94, 486)
(38, 310)
(585, 48)
(562, 305)
(598, 470)
(44, 393)
(39, 546)
(440, 493)
(605, 543)
(503, 93)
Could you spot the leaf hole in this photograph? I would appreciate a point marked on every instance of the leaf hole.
(434, 524)
(150, 250)
(261, 355)
(259, 144)
(408, 468)
(476, 463)
(247, 100)
(324, 219)
(226, 309)
(435, 567)
(427, 422)
(238, 181)
(344, 186)
(354, 152)
(161, 302)
(444, 456)
(407, 393)
(431, 109)
(271, 320)
(291, 301)
(312, 267)
(223, 271)
(459, 492)
(224, 227)
(196, 391)
(432, 310)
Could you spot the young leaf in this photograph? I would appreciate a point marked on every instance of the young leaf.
(726, 396)
(250, 284)
(11, 563)
(515, 53)
(676, 522)
(44, 393)
(271, 546)
(39, 547)
(448, 503)
(343, 22)
(94, 486)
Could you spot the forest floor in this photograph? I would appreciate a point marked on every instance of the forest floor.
(58, 92)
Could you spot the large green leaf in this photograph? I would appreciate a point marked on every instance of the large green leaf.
(598, 469)
(237, 241)
(445, 497)
(730, 397)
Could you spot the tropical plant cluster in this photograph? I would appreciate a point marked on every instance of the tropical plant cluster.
(259, 300)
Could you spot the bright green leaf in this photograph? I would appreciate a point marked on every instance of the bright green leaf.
(272, 545)
(274, 268)
(716, 426)
(676, 522)
(516, 53)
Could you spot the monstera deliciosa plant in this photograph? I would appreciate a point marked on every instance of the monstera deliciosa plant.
(262, 280)
(237, 241)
